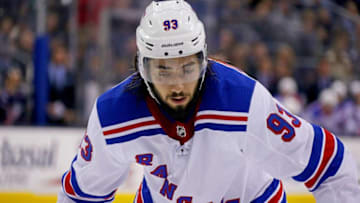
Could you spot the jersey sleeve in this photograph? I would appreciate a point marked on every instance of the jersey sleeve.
(288, 146)
(95, 173)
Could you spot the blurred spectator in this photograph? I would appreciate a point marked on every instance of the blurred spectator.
(352, 111)
(121, 71)
(233, 12)
(288, 95)
(308, 43)
(285, 19)
(339, 87)
(23, 55)
(261, 20)
(265, 72)
(286, 55)
(323, 111)
(284, 65)
(12, 99)
(349, 24)
(52, 23)
(60, 109)
(316, 81)
(7, 47)
(239, 55)
(258, 50)
(324, 27)
(338, 57)
(226, 42)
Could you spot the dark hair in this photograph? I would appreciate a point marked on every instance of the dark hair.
(136, 80)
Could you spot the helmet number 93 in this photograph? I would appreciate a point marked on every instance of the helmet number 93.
(170, 24)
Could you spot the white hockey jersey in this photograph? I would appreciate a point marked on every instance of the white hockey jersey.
(236, 148)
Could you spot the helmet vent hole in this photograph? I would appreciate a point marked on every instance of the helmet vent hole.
(149, 44)
(166, 53)
(150, 22)
(188, 18)
(180, 52)
(177, 2)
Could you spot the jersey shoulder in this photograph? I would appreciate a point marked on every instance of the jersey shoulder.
(227, 88)
(121, 104)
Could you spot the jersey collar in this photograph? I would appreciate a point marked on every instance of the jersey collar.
(181, 131)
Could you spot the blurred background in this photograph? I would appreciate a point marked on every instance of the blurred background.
(57, 56)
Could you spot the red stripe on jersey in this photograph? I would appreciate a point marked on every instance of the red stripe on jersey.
(220, 117)
(139, 195)
(129, 127)
(111, 195)
(277, 197)
(67, 185)
(328, 152)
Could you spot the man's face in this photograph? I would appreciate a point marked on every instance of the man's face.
(175, 80)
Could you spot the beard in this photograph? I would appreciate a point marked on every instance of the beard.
(182, 112)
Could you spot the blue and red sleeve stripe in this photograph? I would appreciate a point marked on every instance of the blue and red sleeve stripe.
(274, 193)
(72, 189)
(325, 159)
(143, 194)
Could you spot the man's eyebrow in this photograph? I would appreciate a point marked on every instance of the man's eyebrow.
(188, 64)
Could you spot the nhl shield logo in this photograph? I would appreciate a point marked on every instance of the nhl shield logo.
(180, 131)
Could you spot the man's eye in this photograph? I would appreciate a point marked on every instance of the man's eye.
(188, 70)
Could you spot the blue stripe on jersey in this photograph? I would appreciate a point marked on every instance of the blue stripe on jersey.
(119, 105)
(221, 127)
(146, 192)
(85, 201)
(268, 192)
(228, 90)
(284, 198)
(315, 155)
(335, 163)
(79, 192)
(134, 136)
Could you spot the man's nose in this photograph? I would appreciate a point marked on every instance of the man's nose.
(177, 87)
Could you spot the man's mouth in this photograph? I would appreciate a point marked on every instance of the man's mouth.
(178, 100)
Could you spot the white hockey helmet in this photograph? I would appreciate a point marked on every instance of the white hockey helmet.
(169, 29)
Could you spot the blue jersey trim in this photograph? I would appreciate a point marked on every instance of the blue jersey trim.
(79, 192)
(227, 90)
(268, 192)
(284, 198)
(220, 127)
(85, 201)
(146, 192)
(119, 105)
(315, 155)
(134, 136)
(335, 164)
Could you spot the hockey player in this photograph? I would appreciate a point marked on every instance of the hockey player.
(203, 131)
